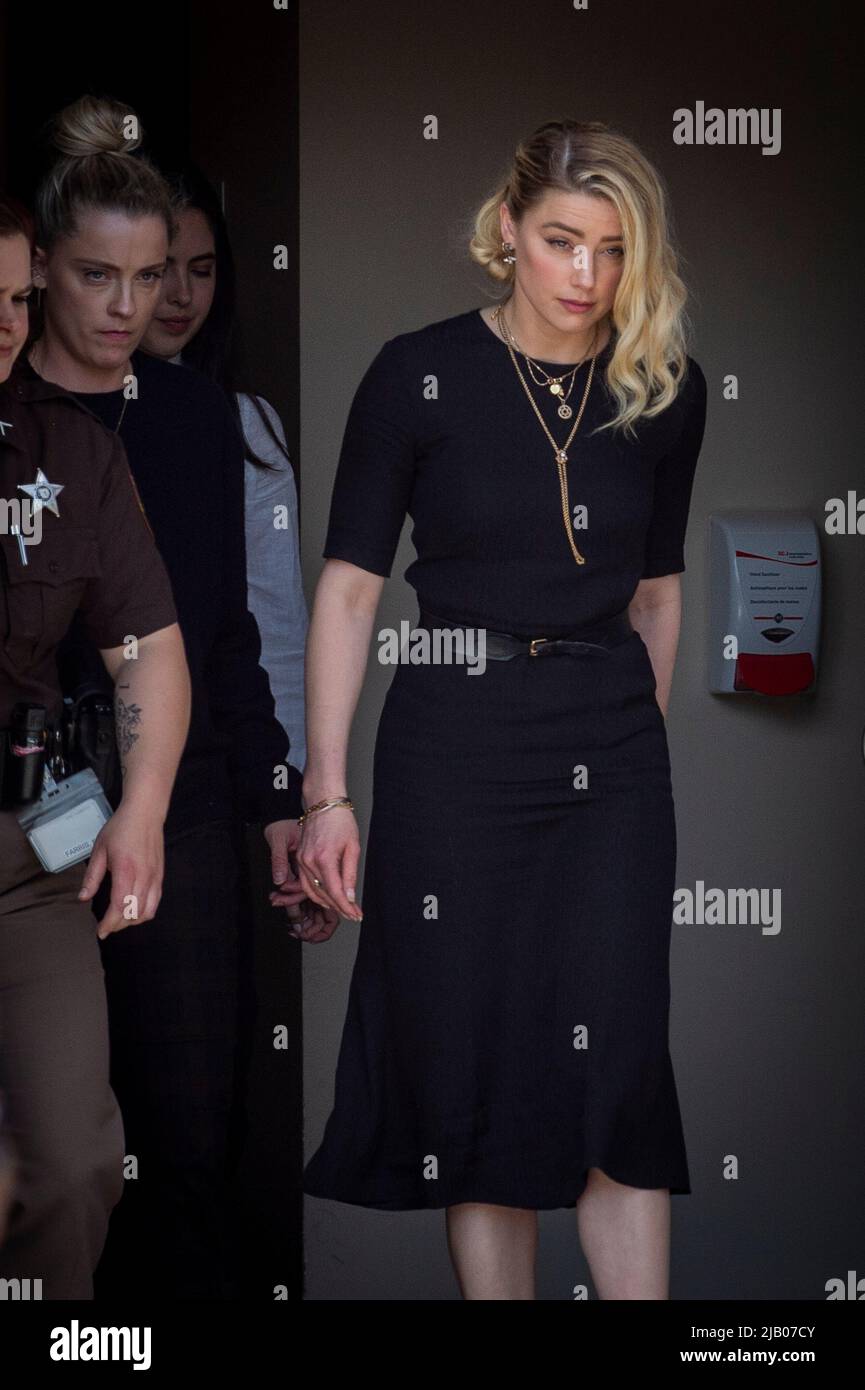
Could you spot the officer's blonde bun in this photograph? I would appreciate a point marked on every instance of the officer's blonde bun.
(96, 125)
(99, 167)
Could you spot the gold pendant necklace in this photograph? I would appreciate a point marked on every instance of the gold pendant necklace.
(561, 453)
(552, 383)
(554, 386)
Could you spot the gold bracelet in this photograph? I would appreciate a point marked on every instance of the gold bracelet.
(326, 805)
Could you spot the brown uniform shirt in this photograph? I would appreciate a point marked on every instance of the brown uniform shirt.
(97, 556)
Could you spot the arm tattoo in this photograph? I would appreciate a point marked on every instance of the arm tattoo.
(126, 718)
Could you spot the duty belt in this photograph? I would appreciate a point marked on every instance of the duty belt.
(501, 646)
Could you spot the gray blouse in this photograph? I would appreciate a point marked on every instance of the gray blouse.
(275, 585)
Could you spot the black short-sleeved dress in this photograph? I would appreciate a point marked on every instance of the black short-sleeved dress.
(507, 1023)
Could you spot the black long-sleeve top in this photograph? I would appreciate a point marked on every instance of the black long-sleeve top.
(186, 456)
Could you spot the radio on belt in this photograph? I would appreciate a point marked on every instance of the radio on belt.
(764, 628)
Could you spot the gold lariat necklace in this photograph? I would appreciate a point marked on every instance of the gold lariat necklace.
(554, 385)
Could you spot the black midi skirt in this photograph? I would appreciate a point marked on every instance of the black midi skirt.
(507, 1022)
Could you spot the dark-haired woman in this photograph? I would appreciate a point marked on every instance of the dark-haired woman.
(194, 322)
(104, 221)
(506, 1045)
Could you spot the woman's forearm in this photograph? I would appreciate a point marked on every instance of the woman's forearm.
(151, 715)
(658, 619)
(336, 656)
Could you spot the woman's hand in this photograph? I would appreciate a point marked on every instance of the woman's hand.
(283, 838)
(129, 847)
(312, 923)
(327, 860)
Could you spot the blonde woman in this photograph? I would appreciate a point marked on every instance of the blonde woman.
(506, 1044)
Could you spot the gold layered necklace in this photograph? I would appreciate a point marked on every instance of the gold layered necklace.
(555, 385)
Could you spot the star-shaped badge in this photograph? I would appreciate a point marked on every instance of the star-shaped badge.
(44, 494)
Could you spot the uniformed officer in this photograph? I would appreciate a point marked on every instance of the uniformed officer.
(94, 555)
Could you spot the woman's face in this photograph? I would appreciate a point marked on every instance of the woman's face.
(187, 288)
(569, 258)
(102, 286)
(15, 286)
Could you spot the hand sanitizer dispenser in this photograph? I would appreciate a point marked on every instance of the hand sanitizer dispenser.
(764, 627)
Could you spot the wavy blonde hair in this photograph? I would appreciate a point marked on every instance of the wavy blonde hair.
(648, 315)
(96, 139)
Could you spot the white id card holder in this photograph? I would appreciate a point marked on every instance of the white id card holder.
(63, 824)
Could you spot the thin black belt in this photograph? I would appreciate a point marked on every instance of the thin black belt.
(501, 646)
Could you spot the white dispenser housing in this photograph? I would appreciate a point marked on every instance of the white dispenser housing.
(765, 578)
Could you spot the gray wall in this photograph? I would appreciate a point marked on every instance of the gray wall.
(767, 1031)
